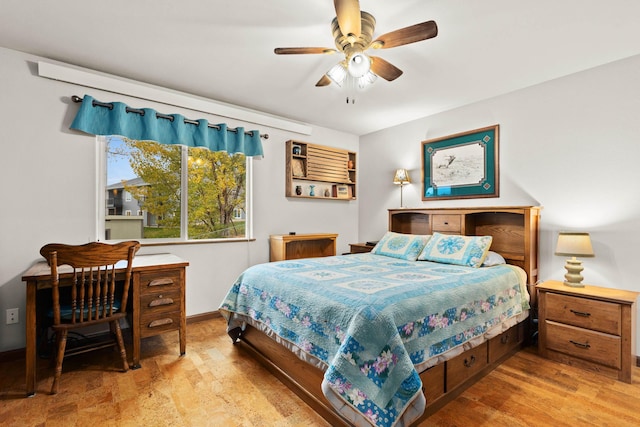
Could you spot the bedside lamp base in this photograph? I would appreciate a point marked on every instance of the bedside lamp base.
(573, 277)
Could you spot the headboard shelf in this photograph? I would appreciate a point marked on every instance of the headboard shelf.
(515, 229)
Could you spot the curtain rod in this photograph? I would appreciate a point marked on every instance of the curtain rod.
(109, 105)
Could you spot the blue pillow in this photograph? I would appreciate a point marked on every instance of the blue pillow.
(454, 249)
(399, 245)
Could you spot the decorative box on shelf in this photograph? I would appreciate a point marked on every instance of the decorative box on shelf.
(319, 172)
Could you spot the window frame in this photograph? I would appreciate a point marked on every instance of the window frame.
(100, 202)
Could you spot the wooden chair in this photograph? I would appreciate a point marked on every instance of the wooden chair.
(93, 295)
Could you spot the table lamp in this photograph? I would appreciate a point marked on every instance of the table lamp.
(574, 245)
(401, 178)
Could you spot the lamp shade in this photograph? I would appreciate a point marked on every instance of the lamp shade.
(574, 244)
(359, 65)
(401, 177)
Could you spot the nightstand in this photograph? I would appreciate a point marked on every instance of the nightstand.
(591, 327)
(358, 248)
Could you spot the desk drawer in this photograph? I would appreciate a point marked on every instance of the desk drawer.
(161, 281)
(446, 223)
(585, 313)
(151, 304)
(589, 345)
(159, 323)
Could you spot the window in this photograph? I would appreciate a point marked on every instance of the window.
(180, 193)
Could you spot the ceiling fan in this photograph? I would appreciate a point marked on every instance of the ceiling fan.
(353, 33)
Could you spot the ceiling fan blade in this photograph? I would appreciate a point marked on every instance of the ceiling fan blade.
(411, 34)
(348, 14)
(324, 81)
(302, 50)
(385, 69)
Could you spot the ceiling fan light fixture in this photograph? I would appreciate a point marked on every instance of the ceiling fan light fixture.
(337, 74)
(366, 80)
(359, 65)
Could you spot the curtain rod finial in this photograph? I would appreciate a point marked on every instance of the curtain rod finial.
(76, 98)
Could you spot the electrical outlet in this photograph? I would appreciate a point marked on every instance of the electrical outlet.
(12, 316)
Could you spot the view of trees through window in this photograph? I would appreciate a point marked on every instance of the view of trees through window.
(146, 178)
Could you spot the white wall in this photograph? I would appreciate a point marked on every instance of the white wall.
(49, 192)
(571, 145)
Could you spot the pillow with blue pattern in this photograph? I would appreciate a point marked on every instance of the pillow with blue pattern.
(454, 249)
(399, 245)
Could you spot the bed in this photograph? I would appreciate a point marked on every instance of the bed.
(386, 339)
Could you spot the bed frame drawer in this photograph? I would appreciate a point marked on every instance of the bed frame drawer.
(446, 223)
(464, 366)
(505, 342)
(433, 383)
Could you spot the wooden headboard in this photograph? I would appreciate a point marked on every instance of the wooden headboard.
(514, 229)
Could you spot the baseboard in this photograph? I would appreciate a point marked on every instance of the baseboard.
(203, 316)
(19, 353)
(11, 355)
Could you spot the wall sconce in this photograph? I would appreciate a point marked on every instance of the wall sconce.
(401, 178)
(574, 245)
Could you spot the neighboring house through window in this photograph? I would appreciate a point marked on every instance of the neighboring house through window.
(163, 183)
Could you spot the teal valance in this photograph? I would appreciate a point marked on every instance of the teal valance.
(146, 124)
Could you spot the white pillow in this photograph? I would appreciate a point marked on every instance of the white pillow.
(493, 258)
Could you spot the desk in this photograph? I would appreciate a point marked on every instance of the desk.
(295, 246)
(157, 303)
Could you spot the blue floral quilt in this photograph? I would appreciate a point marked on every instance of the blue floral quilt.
(370, 320)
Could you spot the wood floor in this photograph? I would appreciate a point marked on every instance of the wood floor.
(215, 384)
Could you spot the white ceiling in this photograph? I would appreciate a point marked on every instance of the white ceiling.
(223, 49)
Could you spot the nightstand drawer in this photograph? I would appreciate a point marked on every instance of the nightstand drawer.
(584, 344)
(446, 223)
(586, 313)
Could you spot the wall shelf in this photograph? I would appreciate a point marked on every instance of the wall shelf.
(319, 172)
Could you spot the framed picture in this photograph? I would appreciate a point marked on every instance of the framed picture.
(343, 192)
(297, 168)
(461, 166)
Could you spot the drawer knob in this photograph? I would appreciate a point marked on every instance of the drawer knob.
(580, 313)
(161, 282)
(470, 362)
(580, 344)
(504, 339)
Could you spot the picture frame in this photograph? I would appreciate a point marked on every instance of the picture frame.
(462, 166)
(343, 192)
(297, 168)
